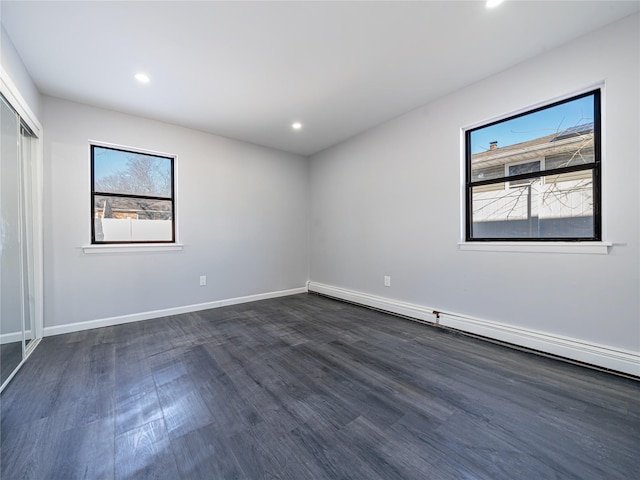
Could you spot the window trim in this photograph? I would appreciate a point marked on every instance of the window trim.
(595, 167)
(132, 247)
(585, 248)
(110, 246)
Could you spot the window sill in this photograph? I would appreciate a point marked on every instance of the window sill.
(591, 248)
(132, 248)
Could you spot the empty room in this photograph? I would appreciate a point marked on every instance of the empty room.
(320, 240)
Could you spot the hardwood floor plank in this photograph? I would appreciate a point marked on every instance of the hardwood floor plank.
(254, 461)
(136, 410)
(335, 459)
(204, 453)
(133, 375)
(18, 456)
(84, 452)
(293, 460)
(145, 452)
(183, 407)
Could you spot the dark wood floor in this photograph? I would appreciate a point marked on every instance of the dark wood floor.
(305, 387)
(10, 357)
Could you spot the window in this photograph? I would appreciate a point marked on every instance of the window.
(536, 175)
(523, 167)
(132, 196)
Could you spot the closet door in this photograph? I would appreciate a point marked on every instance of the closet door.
(11, 258)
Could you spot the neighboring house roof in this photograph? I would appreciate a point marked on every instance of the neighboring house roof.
(576, 131)
(570, 140)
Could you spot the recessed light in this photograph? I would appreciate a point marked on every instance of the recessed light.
(142, 78)
(296, 125)
(493, 3)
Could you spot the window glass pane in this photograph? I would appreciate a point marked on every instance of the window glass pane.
(126, 219)
(117, 171)
(554, 137)
(556, 206)
(520, 168)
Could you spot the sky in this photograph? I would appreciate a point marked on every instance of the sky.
(534, 125)
(108, 161)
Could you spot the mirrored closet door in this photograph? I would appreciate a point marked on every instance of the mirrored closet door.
(18, 194)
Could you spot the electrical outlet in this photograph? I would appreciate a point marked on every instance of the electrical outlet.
(203, 280)
(387, 281)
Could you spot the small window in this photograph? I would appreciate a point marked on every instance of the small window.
(132, 196)
(520, 168)
(536, 175)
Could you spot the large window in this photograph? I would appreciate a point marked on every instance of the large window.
(536, 175)
(132, 196)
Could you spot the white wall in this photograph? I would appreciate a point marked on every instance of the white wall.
(13, 66)
(388, 202)
(241, 213)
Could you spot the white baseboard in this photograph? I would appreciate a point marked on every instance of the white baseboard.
(136, 317)
(13, 337)
(603, 356)
(10, 337)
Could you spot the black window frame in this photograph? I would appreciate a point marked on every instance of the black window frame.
(595, 167)
(94, 193)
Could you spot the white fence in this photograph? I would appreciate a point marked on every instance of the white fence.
(128, 229)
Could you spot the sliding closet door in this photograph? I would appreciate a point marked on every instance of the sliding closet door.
(11, 259)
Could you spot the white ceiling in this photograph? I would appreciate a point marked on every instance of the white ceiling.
(247, 70)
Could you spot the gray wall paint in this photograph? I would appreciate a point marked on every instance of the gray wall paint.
(241, 210)
(12, 64)
(388, 202)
